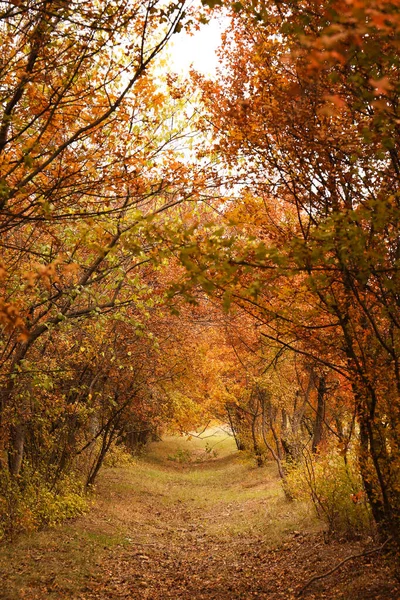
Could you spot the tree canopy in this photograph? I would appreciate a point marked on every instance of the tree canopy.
(174, 252)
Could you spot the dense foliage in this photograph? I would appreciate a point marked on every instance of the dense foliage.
(161, 266)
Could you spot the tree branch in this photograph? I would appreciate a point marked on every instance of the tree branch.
(316, 577)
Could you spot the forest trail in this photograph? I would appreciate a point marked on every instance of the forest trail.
(193, 520)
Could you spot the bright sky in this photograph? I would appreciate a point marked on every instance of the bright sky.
(198, 50)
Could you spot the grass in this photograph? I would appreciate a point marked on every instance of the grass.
(228, 496)
(224, 498)
(40, 565)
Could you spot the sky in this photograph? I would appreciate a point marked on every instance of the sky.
(198, 49)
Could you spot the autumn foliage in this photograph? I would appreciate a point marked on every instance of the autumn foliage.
(253, 276)
(90, 162)
(305, 114)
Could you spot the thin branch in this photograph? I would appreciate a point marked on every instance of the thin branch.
(316, 577)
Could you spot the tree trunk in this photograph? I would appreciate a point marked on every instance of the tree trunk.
(240, 445)
(377, 471)
(256, 446)
(16, 449)
(320, 415)
(108, 436)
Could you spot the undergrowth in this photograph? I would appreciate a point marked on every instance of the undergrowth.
(184, 455)
(33, 500)
(29, 502)
(334, 485)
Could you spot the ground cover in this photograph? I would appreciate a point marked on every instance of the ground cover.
(192, 519)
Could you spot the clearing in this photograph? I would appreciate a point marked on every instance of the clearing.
(192, 520)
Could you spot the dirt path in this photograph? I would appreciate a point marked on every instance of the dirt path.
(216, 529)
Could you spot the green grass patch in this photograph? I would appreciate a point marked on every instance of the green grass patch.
(222, 497)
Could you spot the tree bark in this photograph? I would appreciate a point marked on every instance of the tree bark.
(320, 415)
(16, 449)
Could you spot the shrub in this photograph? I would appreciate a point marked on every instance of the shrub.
(210, 451)
(334, 485)
(28, 502)
(181, 456)
(118, 456)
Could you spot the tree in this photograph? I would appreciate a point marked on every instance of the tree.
(89, 160)
(306, 112)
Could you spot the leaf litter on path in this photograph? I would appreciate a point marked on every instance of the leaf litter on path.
(221, 530)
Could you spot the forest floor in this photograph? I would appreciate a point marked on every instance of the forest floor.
(184, 523)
